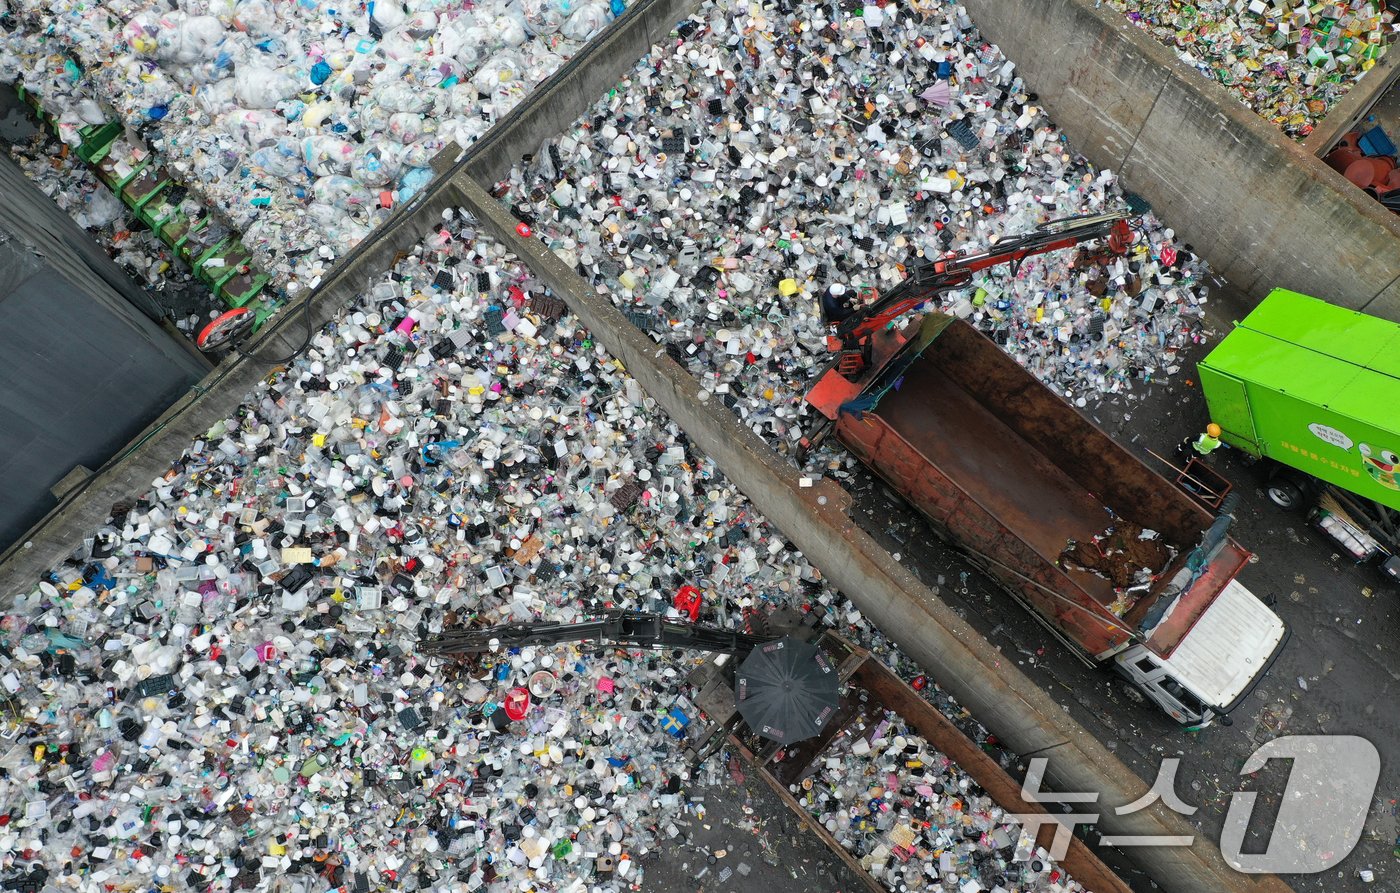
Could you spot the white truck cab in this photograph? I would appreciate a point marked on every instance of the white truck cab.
(1215, 665)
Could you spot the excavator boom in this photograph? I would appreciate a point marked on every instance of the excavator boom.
(848, 327)
(621, 627)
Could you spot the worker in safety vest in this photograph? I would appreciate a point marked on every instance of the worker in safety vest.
(1207, 442)
(1203, 445)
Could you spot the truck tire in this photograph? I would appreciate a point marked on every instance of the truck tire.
(1131, 691)
(1284, 492)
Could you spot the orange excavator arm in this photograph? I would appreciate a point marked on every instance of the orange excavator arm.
(849, 327)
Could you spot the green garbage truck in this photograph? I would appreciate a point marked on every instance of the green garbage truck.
(1314, 391)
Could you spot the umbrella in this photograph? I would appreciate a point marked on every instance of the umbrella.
(938, 95)
(787, 690)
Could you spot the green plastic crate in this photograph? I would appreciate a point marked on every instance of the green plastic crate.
(158, 213)
(195, 243)
(235, 294)
(141, 186)
(173, 229)
(98, 140)
(117, 182)
(205, 274)
(152, 210)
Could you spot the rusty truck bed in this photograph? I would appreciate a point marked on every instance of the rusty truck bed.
(1010, 472)
(870, 689)
(1013, 481)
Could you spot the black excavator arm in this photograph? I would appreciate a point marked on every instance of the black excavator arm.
(620, 627)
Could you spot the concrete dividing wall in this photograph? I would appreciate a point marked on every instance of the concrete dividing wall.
(1256, 204)
(814, 519)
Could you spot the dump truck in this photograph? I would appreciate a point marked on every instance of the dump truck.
(1313, 390)
(1121, 566)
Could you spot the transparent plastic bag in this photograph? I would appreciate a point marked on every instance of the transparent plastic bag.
(408, 127)
(323, 153)
(373, 166)
(502, 68)
(542, 17)
(402, 97)
(254, 128)
(263, 88)
(281, 160)
(340, 192)
(585, 21)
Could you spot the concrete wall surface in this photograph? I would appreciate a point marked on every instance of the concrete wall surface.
(1253, 202)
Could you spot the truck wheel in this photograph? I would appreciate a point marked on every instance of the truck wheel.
(1284, 493)
(1132, 692)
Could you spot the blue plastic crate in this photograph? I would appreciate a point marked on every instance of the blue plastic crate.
(1375, 142)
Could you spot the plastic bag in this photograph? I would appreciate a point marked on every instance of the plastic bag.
(542, 16)
(420, 153)
(408, 127)
(387, 14)
(509, 28)
(255, 128)
(281, 160)
(373, 167)
(217, 98)
(462, 131)
(587, 20)
(196, 39)
(100, 208)
(399, 47)
(341, 192)
(413, 181)
(333, 227)
(461, 41)
(263, 88)
(141, 34)
(507, 96)
(327, 154)
(403, 97)
(462, 102)
(421, 25)
(374, 118)
(501, 68)
(257, 17)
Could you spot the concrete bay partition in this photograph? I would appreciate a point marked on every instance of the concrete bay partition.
(966, 664)
(1260, 207)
